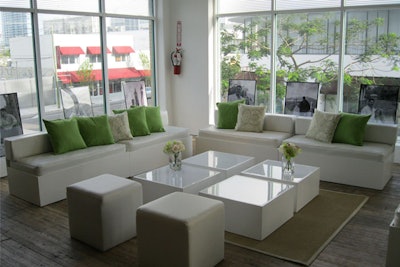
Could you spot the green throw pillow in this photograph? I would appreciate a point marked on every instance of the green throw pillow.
(154, 121)
(351, 129)
(96, 131)
(137, 120)
(227, 114)
(64, 135)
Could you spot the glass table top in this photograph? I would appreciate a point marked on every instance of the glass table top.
(273, 169)
(246, 189)
(187, 176)
(217, 160)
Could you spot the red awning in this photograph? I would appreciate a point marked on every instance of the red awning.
(95, 50)
(113, 74)
(71, 50)
(123, 50)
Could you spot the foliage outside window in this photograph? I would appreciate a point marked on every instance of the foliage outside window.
(308, 50)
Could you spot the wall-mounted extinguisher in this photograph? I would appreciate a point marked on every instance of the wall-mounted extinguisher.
(176, 56)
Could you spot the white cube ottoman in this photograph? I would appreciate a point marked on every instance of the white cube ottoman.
(102, 210)
(181, 229)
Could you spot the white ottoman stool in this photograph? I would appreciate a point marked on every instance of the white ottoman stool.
(102, 210)
(180, 229)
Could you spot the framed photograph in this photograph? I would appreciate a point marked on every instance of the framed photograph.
(135, 94)
(242, 89)
(11, 123)
(301, 98)
(380, 101)
(76, 102)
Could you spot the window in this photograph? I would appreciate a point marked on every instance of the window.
(72, 51)
(307, 47)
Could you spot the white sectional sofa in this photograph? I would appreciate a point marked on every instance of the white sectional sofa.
(365, 166)
(259, 145)
(39, 176)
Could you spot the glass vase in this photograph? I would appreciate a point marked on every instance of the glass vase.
(175, 161)
(287, 168)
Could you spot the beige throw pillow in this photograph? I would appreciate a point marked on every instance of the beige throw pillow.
(119, 124)
(323, 126)
(250, 118)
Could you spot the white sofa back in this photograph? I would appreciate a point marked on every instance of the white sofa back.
(273, 122)
(376, 133)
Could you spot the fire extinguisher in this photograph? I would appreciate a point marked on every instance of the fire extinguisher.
(176, 59)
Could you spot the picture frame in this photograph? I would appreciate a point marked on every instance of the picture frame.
(381, 101)
(11, 124)
(135, 93)
(301, 98)
(76, 101)
(242, 89)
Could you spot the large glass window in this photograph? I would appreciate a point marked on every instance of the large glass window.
(338, 46)
(70, 38)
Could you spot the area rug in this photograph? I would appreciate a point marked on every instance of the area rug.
(309, 231)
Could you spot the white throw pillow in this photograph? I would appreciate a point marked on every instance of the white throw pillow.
(323, 126)
(119, 125)
(250, 118)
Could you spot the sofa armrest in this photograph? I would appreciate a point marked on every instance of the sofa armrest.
(26, 145)
(164, 117)
(381, 133)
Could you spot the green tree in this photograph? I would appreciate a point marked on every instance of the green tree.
(306, 34)
(85, 74)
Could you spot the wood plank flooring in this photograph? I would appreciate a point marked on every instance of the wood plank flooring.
(33, 236)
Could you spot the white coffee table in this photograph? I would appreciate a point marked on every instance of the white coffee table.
(305, 180)
(227, 163)
(253, 207)
(162, 181)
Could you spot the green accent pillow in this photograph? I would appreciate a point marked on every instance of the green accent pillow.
(351, 129)
(64, 135)
(137, 120)
(154, 121)
(227, 114)
(96, 131)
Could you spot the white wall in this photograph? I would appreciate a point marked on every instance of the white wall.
(185, 96)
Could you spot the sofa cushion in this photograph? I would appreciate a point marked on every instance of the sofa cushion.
(64, 135)
(137, 120)
(153, 119)
(119, 125)
(227, 114)
(323, 125)
(250, 118)
(351, 129)
(44, 163)
(266, 138)
(171, 132)
(369, 151)
(96, 130)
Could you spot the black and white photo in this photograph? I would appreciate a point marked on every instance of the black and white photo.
(76, 102)
(301, 98)
(11, 124)
(135, 94)
(242, 89)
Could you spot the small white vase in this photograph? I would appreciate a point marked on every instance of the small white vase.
(175, 161)
(287, 168)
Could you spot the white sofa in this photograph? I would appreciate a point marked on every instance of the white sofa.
(39, 176)
(365, 166)
(369, 165)
(261, 146)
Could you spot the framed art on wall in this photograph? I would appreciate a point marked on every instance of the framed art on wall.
(301, 98)
(11, 123)
(135, 94)
(242, 89)
(380, 101)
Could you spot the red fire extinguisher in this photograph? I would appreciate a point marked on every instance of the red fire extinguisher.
(176, 56)
(176, 59)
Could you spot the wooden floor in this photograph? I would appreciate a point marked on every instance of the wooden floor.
(33, 236)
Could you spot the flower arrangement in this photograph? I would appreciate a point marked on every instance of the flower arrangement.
(289, 150)
(173, 147)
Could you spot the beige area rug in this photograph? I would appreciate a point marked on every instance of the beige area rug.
(309, 231)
